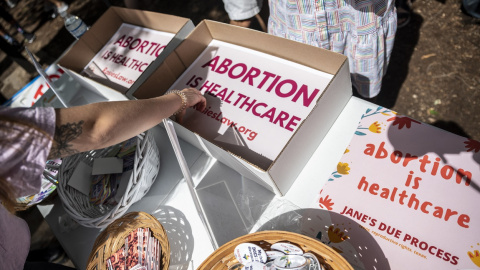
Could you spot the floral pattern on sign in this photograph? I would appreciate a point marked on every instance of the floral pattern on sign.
(402, 121)
(475, 257)
(325, 203)
(342, 169)
(336, 235)
(472, 145)
(375, 126)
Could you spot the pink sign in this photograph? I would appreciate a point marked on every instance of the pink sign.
(415, 189)
(256, 101)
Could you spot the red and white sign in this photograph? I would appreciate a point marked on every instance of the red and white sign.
(404, 195)
(34, 90)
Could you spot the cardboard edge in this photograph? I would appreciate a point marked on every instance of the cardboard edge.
(194, 44)
(184, 54)
(290, 163)
(169, 49)
(261, 177)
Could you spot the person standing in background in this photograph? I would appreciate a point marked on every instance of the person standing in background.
(362, 30)
(241, 13)
(29, 37)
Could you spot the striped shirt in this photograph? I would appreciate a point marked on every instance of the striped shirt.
(363, 30)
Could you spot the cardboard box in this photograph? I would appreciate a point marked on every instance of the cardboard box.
(87, 47)
(256, 101)
(280, 173)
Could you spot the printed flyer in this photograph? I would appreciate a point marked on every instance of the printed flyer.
(34, 91)
(255, 101)
(409, 189)
(127, 54)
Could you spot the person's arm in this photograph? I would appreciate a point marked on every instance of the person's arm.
(99, 125)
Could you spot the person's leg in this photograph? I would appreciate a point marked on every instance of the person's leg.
(11, 3)
(404, 11)
(241, 12)
(9, 39)
(60, 6)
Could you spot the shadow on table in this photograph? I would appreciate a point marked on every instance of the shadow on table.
(406, 39)
(444, 152)
(361, 249)
(179, 234)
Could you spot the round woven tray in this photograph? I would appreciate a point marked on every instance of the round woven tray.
(78, 205)
(223, 258)
(113, 238)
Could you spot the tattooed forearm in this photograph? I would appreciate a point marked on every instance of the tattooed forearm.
(64, 134)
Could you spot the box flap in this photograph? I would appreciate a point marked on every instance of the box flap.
(242, 167)
(172, 63)
(194, 44)
(310, 134)
(156, 85)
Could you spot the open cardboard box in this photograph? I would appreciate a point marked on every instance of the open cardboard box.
(280, 174)
(107, 25)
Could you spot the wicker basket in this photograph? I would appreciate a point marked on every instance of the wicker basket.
(223, 258)
(78, 205)
(113, 238)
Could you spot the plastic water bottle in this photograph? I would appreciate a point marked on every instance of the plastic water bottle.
(75, 25)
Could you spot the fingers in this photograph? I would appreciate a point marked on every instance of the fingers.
(202, 104)
(194, 99)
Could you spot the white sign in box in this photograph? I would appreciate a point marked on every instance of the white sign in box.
(255, 101)
(127, 54)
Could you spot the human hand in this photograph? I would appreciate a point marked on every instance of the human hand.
(194, 99)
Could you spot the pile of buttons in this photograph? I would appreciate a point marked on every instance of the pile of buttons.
(282, 256)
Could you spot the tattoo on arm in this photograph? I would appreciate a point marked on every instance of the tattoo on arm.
(64, 134)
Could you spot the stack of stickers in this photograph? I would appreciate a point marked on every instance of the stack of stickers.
(281, 256)
(108, 189)
(141, 251)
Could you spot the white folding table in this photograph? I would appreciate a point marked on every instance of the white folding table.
(234, 206)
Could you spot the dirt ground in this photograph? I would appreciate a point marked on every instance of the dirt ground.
(433, 76)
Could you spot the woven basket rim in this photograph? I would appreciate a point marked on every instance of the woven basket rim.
(225, 252)
(103, 249)
(78, 212)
